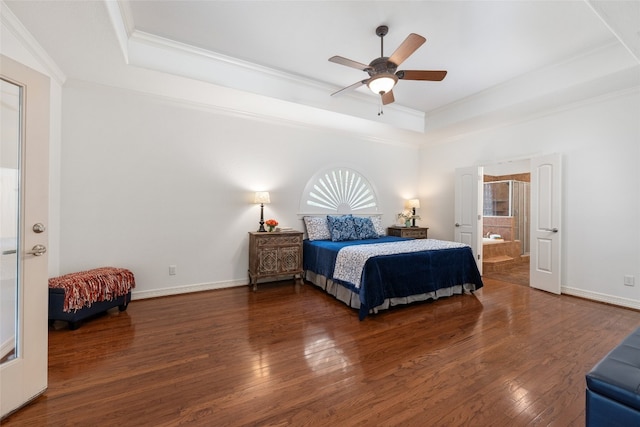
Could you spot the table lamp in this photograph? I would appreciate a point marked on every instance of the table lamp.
(413, 204)
(262, 197)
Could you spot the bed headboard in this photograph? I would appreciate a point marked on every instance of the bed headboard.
(338, 190)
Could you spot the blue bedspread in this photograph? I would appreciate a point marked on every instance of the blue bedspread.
(392, 276)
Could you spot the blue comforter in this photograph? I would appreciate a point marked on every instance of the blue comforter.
(393, 276)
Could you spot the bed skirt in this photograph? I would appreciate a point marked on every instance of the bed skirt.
(352, 299)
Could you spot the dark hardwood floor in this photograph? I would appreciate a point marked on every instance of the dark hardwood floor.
(291, 355)
(518, 274)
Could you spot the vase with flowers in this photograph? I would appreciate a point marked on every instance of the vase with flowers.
(271, 224)
(406, 216)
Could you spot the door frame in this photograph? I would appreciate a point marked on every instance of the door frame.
(548, 280)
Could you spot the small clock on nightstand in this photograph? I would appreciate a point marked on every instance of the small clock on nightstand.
(415, 232)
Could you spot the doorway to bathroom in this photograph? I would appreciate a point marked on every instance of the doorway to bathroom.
(545, 216)
(506, 208)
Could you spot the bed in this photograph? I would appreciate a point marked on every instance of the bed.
(370, 272)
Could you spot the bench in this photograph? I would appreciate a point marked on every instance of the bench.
(76, 296)
(613, 386)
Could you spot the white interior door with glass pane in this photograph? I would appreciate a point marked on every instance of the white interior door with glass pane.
(24, 166)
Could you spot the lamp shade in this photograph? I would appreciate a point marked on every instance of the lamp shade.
(262, 197)
(413, 203)
(382, 83)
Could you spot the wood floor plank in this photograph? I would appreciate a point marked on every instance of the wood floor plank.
(289, 354)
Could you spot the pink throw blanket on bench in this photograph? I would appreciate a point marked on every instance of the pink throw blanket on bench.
(86, 287)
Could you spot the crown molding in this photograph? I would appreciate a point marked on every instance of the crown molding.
(13, 24)
(231, 103)
(591, 76)
(622, 18)
(161, 54)
(628, 84)
(165, 55)
(122, 20)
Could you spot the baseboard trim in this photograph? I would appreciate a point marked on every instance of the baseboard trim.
(596, 296)
(176, 290)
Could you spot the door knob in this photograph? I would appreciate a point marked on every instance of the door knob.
(39, 228)
(457, 225)
(38, 250)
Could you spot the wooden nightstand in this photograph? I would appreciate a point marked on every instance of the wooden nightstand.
(415, 232)
(274, 254)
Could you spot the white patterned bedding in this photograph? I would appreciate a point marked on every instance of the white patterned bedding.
(351, 259)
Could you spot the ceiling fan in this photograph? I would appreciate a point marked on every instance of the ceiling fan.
(382, 71)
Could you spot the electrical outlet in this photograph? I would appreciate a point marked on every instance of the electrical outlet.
(629, 281)
(172, 270)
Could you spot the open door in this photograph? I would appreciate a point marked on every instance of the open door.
(468, 209)
(545, 231)
(24, 167)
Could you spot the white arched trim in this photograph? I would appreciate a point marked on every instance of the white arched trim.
(338, 190)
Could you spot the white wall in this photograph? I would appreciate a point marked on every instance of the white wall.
(149, 170)
(144, 181)
(599, 141)
(150, 181)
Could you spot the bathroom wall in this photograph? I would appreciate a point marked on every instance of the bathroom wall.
(502, 225)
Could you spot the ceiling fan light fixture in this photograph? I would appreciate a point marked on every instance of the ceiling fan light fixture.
(382, 83)
(382, 71)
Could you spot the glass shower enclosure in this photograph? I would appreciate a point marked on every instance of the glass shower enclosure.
(510, 198)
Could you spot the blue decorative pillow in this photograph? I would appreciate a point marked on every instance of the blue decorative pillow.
(364, 228)
(317, 227)
(342, 228)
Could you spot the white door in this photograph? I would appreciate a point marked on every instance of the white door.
(468, 209)
(24, 161)
(546, 231)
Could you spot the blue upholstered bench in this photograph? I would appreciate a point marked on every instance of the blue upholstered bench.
(78, 296)
(613, 386)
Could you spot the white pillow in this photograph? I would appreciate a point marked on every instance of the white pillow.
(317, 227)
(377, 224)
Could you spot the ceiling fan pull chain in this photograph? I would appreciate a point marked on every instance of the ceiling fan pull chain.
(380, 111)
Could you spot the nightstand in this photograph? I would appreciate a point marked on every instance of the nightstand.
(273, 254)
(415, 232)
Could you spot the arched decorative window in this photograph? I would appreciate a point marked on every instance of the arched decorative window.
(338, 190)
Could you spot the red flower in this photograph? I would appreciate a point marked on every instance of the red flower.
(271, 222)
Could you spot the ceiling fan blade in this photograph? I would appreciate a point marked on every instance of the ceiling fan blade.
(349, 63)
(408, 46)
(435, 76)
(388, 98)
(352, 87)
